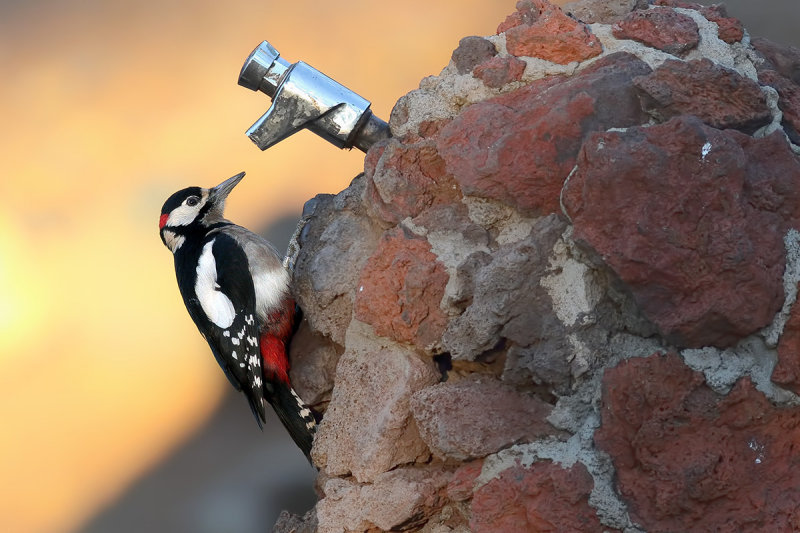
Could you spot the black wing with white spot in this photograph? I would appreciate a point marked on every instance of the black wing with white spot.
(234, 337)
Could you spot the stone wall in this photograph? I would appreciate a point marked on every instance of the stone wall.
(562, 297)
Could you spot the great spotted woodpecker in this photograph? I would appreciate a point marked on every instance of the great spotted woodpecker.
(237, 292)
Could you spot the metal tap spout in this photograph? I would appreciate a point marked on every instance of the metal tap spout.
(303, 97)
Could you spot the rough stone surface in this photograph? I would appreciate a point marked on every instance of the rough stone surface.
(692, 224)
(499, 71)
(401, 498)
(402, 180)
(787, 371)
(729, 29)
(400, 289)
(718, 96)
(687, 458)
(604, 11)
(368, 427)
(498, 279)
(316, 359)
(783, 59)
(661, 28)
(336, 242)
(473, 418)
(519, 147)
(540, 29)
(471, 52)
(508, 304)
(289, 523)
(542, 497)
(788, 101)
(462, 483)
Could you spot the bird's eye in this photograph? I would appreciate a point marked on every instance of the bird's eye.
(192, 201)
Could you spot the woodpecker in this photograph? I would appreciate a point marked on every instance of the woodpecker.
(237, 292)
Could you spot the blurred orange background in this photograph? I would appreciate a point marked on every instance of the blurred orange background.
(108, 107)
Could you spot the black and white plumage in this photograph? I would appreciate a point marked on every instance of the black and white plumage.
(237, 292)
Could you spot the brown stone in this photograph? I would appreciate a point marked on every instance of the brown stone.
(720, 97)
(401, 288)
(541, 497)
(519, 147)
(473, 418)
(472, 51)
(661, 28)
(540, 29)
(688, 459)
(692, 219)
(499, 71)
(368, 428)
(314, 361)
(462, 484)
(335, 244)
(404, 179)
(781, 58)
(729, 29)
(403, 497)
(787, 371)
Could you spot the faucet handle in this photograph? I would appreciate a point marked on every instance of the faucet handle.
(303, 97)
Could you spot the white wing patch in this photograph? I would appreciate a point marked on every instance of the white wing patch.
(215, 304)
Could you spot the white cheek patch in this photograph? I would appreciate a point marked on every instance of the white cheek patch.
(183, 215)
(173, 240)
(215, 304)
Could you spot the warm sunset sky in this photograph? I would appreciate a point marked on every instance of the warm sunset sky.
(107, 107)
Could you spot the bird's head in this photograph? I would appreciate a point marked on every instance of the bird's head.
(193, 210)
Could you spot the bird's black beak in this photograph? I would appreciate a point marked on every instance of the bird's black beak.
(219, 193)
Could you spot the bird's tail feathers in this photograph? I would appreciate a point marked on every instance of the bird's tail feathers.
(295, 416)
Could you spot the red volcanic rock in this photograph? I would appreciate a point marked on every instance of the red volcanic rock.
(788, 101)
(463, 481)
(783, 59)
(661, 28)
(540, 29)
(730, 29)
(402, 180)
(499, 71)
(400, 289)
(720, 97)
(471, 419)
(541, 497)
(787, 371)
(688, 459)
(519, 147)
(692, 219)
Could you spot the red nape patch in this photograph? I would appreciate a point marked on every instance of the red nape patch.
(276, 362)
(163, 220)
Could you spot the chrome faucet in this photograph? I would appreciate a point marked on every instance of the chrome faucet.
(303, 97)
